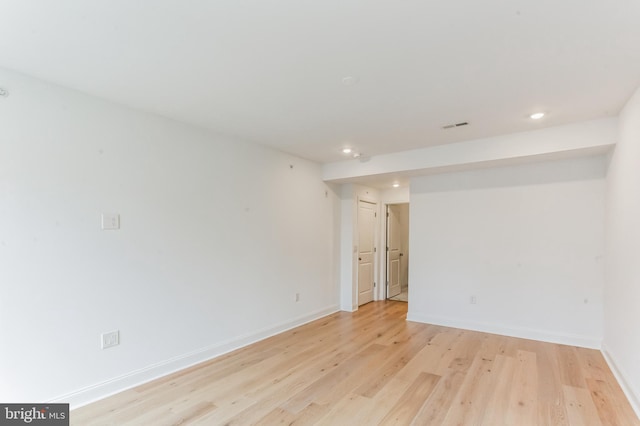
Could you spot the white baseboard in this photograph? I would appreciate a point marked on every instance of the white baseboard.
(121, 383)
(590, 342)
(632, 394)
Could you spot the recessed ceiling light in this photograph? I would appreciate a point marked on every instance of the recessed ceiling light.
(396, 185)
(347, 150)
(537, 115)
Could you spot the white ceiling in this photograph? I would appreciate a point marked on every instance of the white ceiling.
(271, 71)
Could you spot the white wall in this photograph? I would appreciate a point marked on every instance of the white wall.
(527, 241)
(349, 196)
(348, 300)
(622, 291)
(395, 195)
(217, 237)
(404, 232)
(587, 138)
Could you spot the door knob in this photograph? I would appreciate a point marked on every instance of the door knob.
(359, 258)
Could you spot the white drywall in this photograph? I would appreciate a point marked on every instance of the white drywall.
(404, 229)
(348, 234)
(216, 238)
(573, 140)
(526, 241)
(395, 195)
(622, 291)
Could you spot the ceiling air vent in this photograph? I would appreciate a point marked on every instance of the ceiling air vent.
(451, 126)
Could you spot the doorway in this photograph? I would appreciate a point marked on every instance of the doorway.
(366, 250)
(397, 252)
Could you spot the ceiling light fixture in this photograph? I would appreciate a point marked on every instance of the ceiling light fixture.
(396, 185)
(537, 116)
(346, 150)
(356, 155)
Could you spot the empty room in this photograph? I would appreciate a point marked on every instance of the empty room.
(335, 212)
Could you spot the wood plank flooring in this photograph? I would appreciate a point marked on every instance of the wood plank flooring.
(373, 367)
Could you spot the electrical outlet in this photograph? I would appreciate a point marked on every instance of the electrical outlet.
(473, 300)
(110, 339)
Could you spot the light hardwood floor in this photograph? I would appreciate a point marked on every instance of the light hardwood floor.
(373, 367)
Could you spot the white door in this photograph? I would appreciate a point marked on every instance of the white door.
(366, 250)
(393, 251)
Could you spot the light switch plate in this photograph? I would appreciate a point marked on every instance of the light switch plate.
(110, 221)
(110, 339)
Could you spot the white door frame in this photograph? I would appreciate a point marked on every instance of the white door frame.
(387, 251)
(376, 244)
(385, 243)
